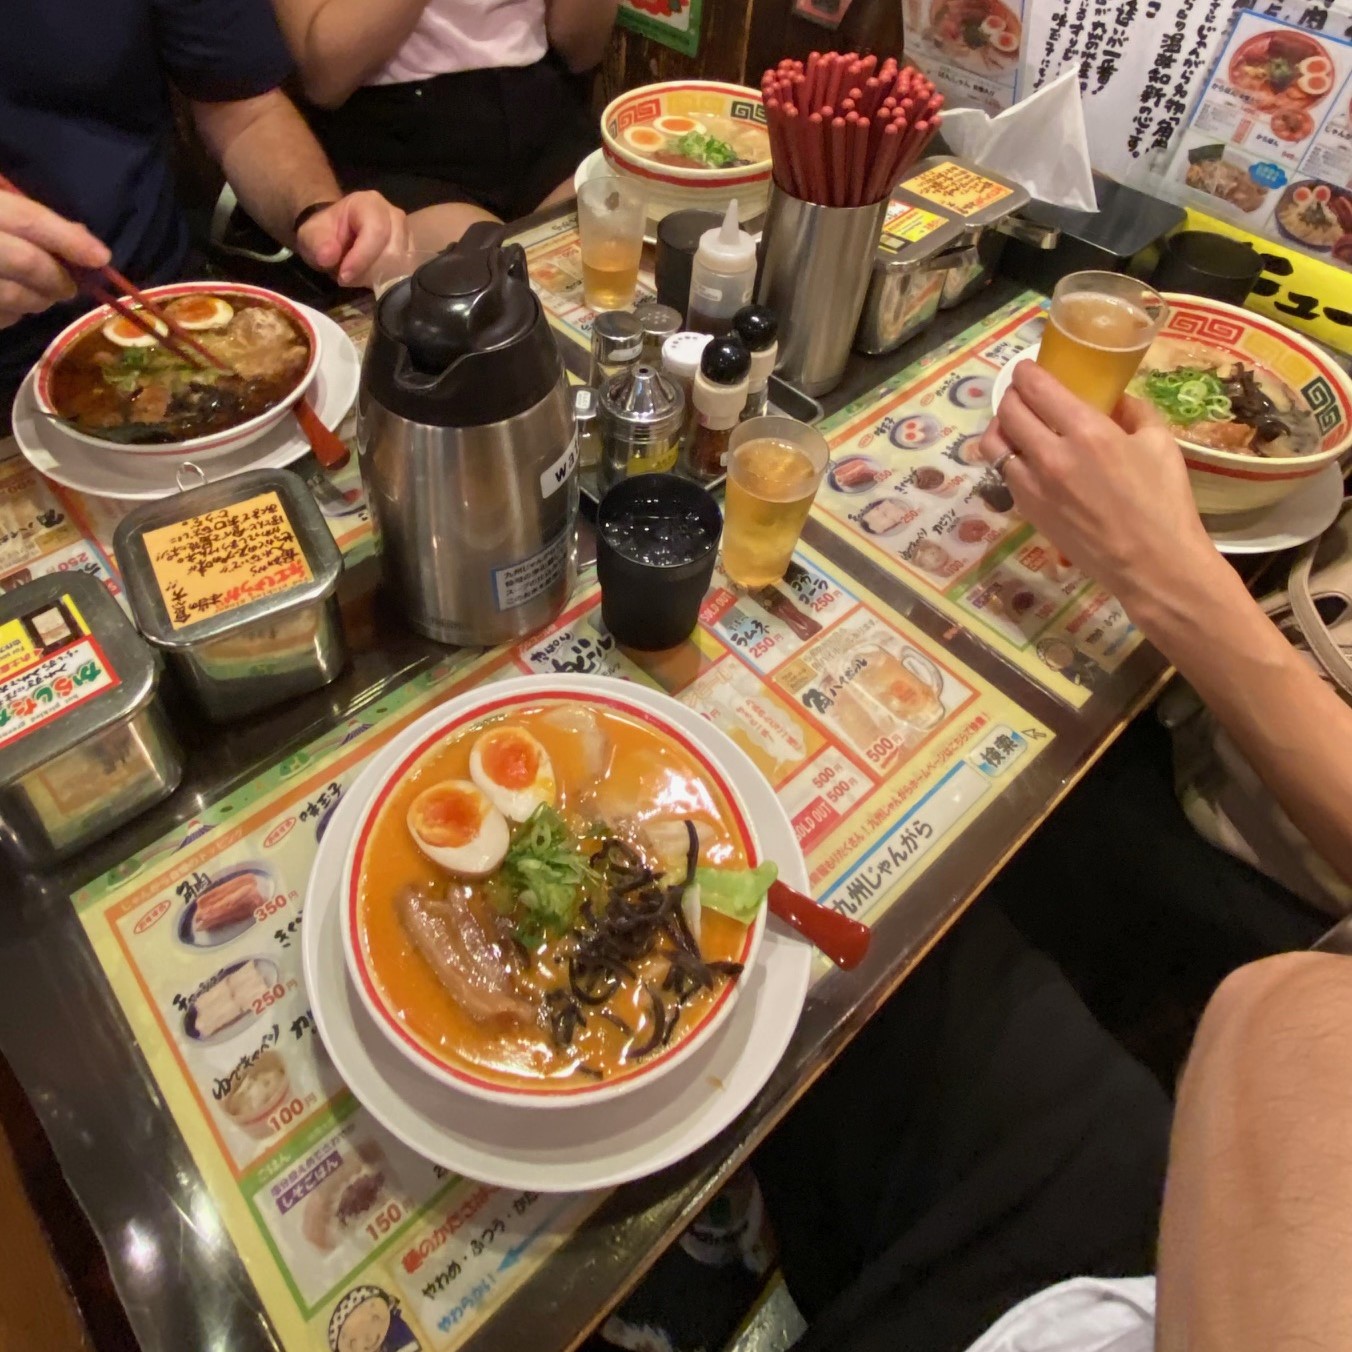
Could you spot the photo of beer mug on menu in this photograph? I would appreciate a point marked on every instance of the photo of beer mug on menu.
(909, 687)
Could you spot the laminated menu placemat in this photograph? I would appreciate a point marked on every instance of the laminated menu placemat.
(881, 747)
(908, 488)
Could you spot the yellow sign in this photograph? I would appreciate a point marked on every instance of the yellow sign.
(907, 225)
(48, 627)
(222, 560)
(957, 188)
(1303, 293)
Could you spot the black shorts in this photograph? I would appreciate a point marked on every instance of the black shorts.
(502, 139)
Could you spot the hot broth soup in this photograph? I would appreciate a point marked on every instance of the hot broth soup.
(118, 384)
(706, 141)
(555, 897)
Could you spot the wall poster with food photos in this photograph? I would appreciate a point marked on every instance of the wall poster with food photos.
(673, 23)
(882, 747)
(971, 49)
(908, 487)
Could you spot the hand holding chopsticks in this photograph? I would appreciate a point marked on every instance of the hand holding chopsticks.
(104, 284)
(844, 129)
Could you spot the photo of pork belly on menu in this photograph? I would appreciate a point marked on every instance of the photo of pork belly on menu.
(228, 902)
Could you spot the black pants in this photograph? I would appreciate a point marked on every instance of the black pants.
(982, 1139)
(501, 139)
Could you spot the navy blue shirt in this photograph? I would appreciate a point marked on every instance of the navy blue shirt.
(86, 124)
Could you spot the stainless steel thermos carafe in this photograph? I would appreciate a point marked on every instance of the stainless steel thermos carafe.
(467, 447)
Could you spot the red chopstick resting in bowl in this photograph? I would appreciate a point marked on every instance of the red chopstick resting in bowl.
(844, 129)
(103, 284)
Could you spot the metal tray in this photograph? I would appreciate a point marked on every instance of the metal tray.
(784, 399)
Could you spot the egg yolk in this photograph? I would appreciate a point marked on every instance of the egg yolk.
(509, 760)
(448, 815)
(677, 126)
(194, 309)
(124, 328)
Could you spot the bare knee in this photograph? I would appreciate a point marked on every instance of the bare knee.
(1267, 1016)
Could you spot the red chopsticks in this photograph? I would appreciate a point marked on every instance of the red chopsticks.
(844, 129)
(96, 284)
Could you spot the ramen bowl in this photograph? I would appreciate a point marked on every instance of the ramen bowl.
(73, 340)
(635, 126)
(1226, 482)
(510, 1055)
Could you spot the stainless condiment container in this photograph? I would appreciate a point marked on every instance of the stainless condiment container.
(255, 620)
(658, 322)
(980, 199)
(84, 742)
(616, 345)
(916, 252)
(815, 269)
(640, 414)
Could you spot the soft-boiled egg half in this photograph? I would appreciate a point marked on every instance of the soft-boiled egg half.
(514, 770)
(457, 827)
(676, 124)
(644, 139)
(125, 334)
(200, 312)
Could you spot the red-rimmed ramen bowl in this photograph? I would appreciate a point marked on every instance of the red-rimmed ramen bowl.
(515, 907)
(670, 136)
(1208, 334)
(110, 385)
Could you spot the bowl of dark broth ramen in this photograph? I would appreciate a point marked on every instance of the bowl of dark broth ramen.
(1257, 409)
(555, 895)
(110, 384)
(691, 143)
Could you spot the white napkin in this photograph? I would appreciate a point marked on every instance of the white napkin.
(1040, 143)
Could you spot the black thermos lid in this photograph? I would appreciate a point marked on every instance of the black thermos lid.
(463, 341)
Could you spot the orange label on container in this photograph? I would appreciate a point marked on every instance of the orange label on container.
(957, 188)
(907, 225)
(213, 563)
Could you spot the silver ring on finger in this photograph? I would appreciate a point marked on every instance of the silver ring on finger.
(1000, 461)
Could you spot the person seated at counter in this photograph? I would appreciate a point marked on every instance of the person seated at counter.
(456, 110)
(85, 128)
(983, 1168)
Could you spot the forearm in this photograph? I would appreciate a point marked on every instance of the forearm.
(580, 29)
(1293, 728)
(270, 157)
(1256, 1233)
(340, 44)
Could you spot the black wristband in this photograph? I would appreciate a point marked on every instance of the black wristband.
(305, 213)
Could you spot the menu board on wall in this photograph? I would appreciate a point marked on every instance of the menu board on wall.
(971, 49)
(1269, 144)
(907, 487)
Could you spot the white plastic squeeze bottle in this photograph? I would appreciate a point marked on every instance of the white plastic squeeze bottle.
(722, 276)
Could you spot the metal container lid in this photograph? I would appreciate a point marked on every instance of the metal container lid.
(977, 197)
(914, 233)
(640, 405)
(71, 665)
(657, 321)
(209, 561)
(616, 337)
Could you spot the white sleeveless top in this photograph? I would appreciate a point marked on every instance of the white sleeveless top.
(455, 35)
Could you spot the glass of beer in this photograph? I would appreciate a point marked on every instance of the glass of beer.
(612, 214)
(1100, 327)
(774, 466)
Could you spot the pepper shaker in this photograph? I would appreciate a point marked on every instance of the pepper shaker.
(616, 344)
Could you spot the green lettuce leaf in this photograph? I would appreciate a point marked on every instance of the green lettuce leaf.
(735, 892)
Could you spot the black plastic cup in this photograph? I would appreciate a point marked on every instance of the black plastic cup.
(656, 544)
(677, 240)
(1202, 263)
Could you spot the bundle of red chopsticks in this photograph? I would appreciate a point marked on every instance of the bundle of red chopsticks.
(843, 129)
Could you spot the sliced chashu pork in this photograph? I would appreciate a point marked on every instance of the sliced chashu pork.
(467, 961)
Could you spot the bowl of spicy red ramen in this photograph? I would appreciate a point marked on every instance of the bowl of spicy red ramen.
(108, 383)
(691, 143)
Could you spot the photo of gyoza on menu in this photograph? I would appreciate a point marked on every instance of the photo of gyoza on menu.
(1270, 140)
